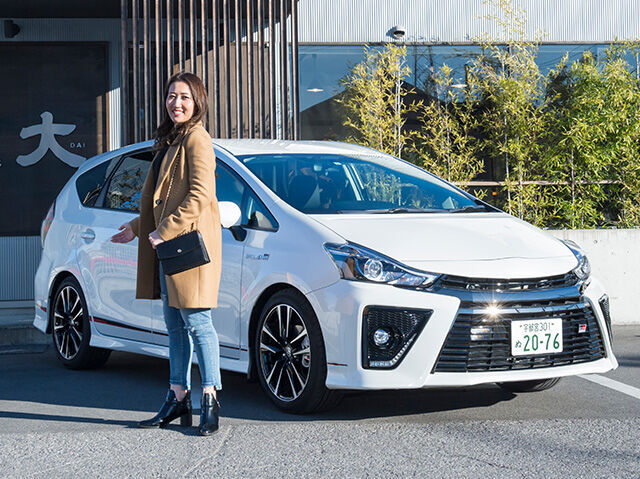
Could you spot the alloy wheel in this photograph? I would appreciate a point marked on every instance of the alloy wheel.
(285, 353)
(68, 315)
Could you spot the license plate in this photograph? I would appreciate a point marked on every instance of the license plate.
(536, 336)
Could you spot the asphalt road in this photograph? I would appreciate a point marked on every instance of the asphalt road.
(58, 423)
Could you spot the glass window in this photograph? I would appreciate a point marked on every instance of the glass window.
(316, 183)
(126, 184)
(89, 184)
(229, 187)
(323, 67)
(550, 55)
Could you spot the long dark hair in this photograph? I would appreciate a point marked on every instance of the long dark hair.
(168, 131)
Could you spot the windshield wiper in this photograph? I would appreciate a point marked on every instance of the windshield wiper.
(469, 209)
(404, 210)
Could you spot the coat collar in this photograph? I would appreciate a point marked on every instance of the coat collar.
(170, 155)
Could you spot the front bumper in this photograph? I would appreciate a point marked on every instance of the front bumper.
(340, 309)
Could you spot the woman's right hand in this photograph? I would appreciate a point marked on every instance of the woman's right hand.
(125, 235)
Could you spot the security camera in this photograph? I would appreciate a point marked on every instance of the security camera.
(398, 32)
(10, 29)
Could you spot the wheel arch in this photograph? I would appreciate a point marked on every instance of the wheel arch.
(59, 278)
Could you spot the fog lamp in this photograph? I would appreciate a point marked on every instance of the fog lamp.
(381, 337)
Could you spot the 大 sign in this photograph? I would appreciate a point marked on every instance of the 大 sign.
(53, 118)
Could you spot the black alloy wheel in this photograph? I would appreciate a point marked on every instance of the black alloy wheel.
(290, 353)
(70, 328)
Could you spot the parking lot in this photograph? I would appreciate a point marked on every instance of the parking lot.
(60, 423)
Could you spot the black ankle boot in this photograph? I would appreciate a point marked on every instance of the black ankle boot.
(170, 410)
(209, 415)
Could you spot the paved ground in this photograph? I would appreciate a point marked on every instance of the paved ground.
(60, 423)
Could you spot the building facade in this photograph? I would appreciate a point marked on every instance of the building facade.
(81, 78)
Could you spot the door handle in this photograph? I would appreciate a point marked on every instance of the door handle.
(88, 235)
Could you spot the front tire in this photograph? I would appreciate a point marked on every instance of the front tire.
(290, 355)
(529, 386)
(70, 328)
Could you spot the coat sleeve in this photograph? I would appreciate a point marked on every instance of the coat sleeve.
(135, 225)
(202, 188)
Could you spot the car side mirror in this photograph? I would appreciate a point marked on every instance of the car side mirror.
(230, 214)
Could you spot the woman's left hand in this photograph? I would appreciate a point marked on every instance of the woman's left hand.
(154, 239)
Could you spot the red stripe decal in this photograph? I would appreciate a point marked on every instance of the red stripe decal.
(119, 325)
(43, 309)
(336, 364)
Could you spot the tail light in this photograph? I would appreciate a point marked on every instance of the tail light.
(46, 223)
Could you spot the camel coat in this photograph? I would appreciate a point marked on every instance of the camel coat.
(190, 205)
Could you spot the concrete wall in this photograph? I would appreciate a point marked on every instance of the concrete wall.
(615, 261)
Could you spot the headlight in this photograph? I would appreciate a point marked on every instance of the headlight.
(357, 263)
(583, 270)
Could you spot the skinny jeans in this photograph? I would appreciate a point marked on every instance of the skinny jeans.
(189, 329)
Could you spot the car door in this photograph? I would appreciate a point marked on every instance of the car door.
(226, 317)
(108, 268)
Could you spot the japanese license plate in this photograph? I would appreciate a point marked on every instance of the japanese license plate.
(536, 336)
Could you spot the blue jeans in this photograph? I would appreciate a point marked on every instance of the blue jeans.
(190, 328)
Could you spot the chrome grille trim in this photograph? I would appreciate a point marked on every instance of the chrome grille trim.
(493, 284)
(487, 311)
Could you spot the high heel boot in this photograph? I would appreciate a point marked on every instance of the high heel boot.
(170, 410)
(209, 415)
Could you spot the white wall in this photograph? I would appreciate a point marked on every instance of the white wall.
(357, 21)
(615, 260)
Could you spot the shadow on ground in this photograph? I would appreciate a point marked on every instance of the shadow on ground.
(138, 383)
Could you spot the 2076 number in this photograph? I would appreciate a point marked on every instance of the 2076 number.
(535, 342)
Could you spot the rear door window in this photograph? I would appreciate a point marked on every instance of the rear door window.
(90, 183)
(125, 186)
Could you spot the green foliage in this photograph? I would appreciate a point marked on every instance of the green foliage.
(445, 145)
(565, 146)
(374, 100)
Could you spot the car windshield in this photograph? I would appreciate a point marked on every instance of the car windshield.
(318, 183)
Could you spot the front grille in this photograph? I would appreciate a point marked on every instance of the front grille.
(492, 284)
(478, 342)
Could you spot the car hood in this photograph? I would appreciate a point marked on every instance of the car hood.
(487, 245)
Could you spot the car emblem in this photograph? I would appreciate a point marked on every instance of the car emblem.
(582, 328)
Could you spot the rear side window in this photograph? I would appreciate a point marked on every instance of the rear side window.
(125, 187)
(90, 183)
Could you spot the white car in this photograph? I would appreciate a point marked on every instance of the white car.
(348, 269)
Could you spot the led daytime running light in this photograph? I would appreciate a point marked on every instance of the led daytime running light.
(357, 263)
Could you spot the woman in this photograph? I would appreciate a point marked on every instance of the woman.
(178, 196)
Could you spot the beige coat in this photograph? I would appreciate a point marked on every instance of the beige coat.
(191, 204)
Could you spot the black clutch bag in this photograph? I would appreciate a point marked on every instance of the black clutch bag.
(182, 253)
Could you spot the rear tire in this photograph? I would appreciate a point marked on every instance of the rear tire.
(529, 386)
(290, 356)
(70, 328)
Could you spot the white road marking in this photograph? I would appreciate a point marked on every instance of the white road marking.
(611, 384)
